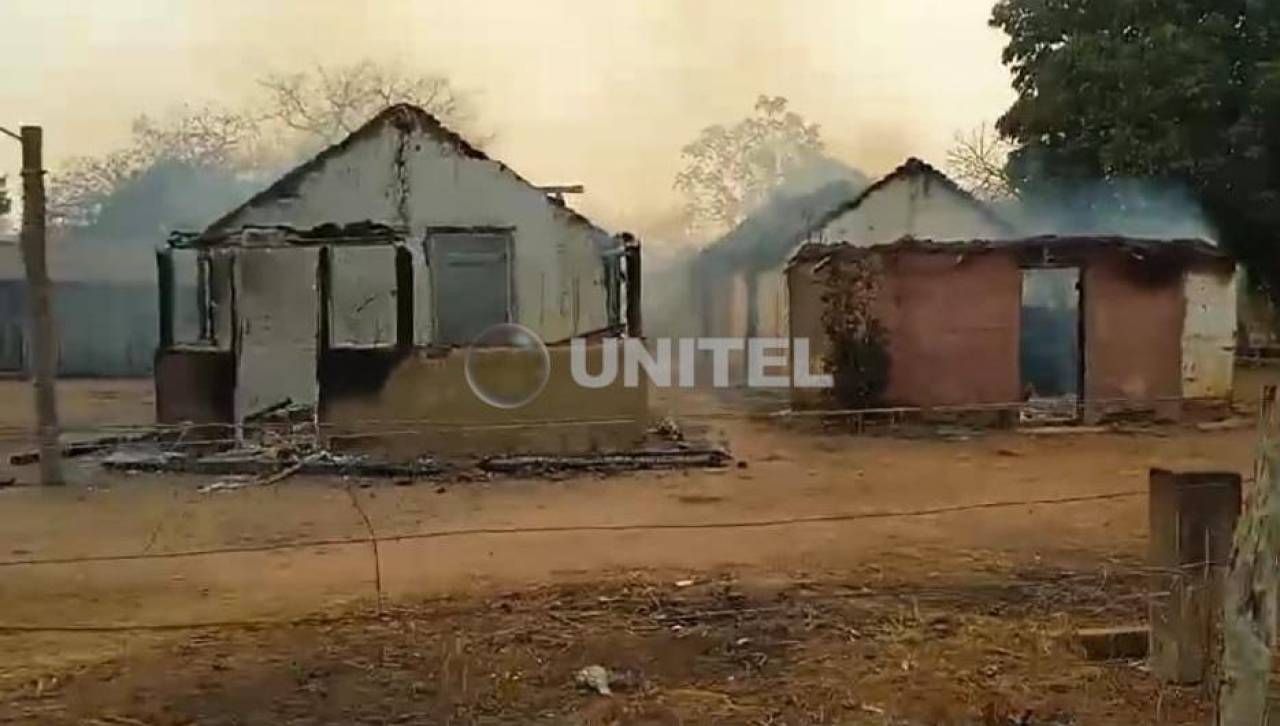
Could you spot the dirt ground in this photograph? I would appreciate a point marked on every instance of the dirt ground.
(951, 617)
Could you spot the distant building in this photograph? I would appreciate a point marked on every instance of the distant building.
(104, 309)
(740, 280)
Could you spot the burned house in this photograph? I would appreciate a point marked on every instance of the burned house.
(741, 278)
(1104, 325)
(354, 285)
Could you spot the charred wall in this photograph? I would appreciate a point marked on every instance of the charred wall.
(194, 385)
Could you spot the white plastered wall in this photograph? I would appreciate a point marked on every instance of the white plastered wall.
(559, 275)
(362, 296)
(771, 303)
(277, 310)
(1208, 335)
(919, 206)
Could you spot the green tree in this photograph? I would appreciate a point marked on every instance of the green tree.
(1180, 91)
(730, 170)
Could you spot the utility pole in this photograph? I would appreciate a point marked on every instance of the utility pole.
(39, 303)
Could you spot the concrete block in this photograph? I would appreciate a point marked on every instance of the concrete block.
(1127, 642)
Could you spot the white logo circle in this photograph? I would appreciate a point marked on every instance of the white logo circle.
(507, 365)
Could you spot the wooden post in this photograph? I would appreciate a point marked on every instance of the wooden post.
(404, 299)
(1249, 605)
(164, 284)
(634, 299)
(1192, 517)
(39, 300)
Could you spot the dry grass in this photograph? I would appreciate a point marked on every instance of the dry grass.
(784, 651)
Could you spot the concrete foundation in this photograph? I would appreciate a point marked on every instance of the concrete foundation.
(406, 404)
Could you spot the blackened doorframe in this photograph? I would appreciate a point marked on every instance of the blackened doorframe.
(1051, 341)
(1082, 369)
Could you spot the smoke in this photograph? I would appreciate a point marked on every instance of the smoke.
(762, 241)
(1143, 208)
(807, 194)
(166, 197)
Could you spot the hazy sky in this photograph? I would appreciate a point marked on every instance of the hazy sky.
(602, 92)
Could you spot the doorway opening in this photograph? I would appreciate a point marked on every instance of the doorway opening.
(1051, 356)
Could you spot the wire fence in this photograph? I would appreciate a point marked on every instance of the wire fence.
(1101, 589)
(374, 540)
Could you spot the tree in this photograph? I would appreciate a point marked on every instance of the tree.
(329, 102)
(206, 137)
(1185, 92)
(979, 160)
(208, 150)
(729, 170)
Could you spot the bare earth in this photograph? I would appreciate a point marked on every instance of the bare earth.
(955, 617)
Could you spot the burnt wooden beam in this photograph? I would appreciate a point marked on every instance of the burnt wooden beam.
(631, 250)
(164, 276)
(404, 298)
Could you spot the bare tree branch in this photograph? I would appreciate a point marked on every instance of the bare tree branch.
(329, 102)
(303, 111)
(198, 136)
(977, 161)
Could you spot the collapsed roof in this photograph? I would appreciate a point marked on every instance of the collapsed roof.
(912, 167)
(405, 118)
(279, 235)
(1179, 251)
(766, 237)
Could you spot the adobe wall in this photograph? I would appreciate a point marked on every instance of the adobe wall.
(953, 329)
(402, 405)
(951, 325)
(1209, 334)
(1134, 315)
(804, 302)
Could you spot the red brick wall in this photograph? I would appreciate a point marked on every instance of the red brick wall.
(953, 328)
(804, 314)
(1133, 334)
(953, 325)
